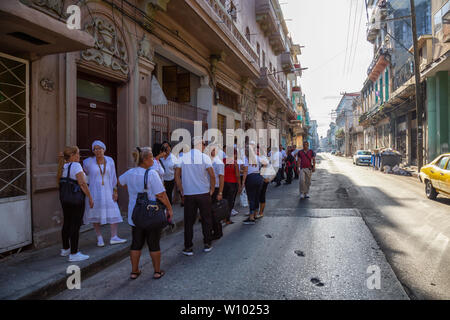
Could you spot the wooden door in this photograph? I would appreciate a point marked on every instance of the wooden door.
(96, 115)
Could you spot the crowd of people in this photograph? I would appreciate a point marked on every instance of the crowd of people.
(202, 177)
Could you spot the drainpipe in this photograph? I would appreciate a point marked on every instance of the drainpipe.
(431, 118)
(68, 117)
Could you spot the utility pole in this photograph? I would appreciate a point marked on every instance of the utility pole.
(419, 100)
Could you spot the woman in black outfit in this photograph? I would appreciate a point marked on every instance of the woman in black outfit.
(69, 167)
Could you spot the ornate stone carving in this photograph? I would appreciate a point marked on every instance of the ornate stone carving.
(248, 107)
(109, 50)
(54, 8)
(47, 84)
(145, 49)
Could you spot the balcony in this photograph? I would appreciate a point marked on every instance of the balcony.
(234, 33)
(276, 41)
(402, 75)
(270, 86)
(287, 63)
(380, 62)
(266, 16)
(38, 29)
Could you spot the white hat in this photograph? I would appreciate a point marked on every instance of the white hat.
(99, 144)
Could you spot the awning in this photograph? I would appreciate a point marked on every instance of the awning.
(25, 31)
(442, 64)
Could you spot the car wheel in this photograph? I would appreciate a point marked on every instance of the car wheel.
(430, 191)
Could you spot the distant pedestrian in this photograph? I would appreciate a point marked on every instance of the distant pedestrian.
(276, 158)
(219, 172)
(196, 181)
(232, 183)
(253, 183)
(290, 164)
(157, 166)
(101, 171)
(262, 196)
(307, 163)
(168, 162)
(134, 179)
(70, 168)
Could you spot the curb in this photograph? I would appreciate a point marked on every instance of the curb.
(59, 283)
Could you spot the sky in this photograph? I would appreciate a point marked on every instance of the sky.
(335, 63)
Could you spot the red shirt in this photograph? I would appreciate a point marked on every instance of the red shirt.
(230, 172)
(305, 158)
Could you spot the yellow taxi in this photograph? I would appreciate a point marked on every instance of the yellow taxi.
(436, 176)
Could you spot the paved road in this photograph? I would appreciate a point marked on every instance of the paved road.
(412, 231)
(319, 248)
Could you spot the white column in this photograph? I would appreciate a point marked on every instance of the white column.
(205, 96)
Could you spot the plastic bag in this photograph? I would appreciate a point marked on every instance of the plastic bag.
(244, 199)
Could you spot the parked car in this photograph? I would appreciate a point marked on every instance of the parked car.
(436, 176)
(333, 152)
(362, 157)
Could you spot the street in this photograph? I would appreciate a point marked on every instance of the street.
(319, 248)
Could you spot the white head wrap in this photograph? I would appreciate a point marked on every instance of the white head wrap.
(98, 143)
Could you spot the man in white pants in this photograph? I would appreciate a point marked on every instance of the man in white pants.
(306, 160)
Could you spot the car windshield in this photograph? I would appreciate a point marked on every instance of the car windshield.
(363, 153)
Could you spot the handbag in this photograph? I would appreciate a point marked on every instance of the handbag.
(70, 193)
(244, 199)
(220, 210)
(148, 214)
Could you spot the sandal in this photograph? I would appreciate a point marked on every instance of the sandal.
(135, 275)
(161, 274)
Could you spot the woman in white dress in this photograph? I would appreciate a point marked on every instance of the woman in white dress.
(101, 172)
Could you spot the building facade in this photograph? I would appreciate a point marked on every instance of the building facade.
(135, 72)
(388, 95)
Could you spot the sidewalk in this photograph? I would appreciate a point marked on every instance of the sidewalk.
(38, 274)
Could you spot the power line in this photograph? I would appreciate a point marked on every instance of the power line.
(353, 38)
(357, 39)
(348, 34)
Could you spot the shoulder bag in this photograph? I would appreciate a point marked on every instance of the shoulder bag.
(70, 193)
(148, 214)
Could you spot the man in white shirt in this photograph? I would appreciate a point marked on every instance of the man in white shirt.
(195, 179)
(276, 160)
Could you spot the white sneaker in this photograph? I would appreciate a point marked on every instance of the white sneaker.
(302, 196)
(307, 195)
(234, 213)
(117, 240)
(100, 242)
(78, 257)
(64, 253)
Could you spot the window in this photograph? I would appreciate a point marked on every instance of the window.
(258, 49)
(386, 80)
(247, 34)
(228, 98)
(443, 162)
(264, 59)
(222, 123)
(438, 21)
(176, 85)
(237, 124)
(270, 67)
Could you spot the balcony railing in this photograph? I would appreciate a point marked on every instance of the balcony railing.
(228, 23)
(268, 79)
(403, 74)
(266, 16)
(287, 63)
